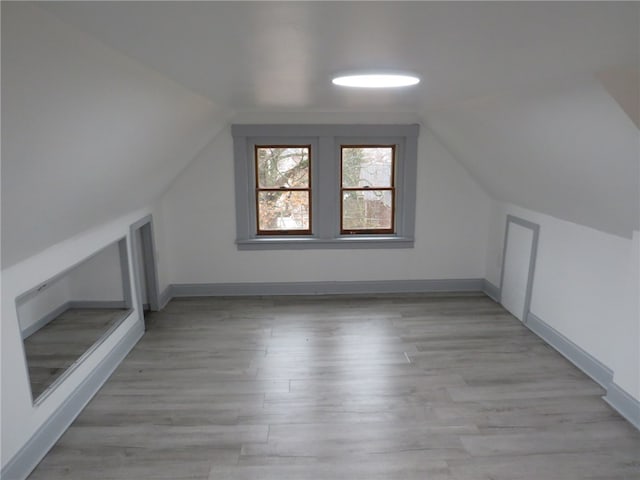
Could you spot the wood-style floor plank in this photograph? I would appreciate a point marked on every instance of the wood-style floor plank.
(439, 387)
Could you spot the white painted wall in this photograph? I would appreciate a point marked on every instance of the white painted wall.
(198, 222)
(585, 286)
(566, 149)
(19, 418)
(88, 134)
(44, 302)
(99, 278)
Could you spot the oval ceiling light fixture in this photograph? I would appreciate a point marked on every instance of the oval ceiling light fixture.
(376, 79)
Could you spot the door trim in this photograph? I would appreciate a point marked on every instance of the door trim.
(535, 228)
(149, 262)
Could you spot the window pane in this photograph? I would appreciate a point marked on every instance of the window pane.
(367, 210)
(283, 210)
(283, 167)
(367, 166)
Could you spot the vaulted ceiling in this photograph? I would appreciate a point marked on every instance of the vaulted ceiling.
(537, 100)
(281, 55)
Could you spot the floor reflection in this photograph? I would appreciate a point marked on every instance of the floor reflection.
(54, 348)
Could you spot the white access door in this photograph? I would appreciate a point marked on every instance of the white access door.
(517, 267)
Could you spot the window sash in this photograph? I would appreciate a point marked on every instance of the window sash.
(368, 231)
(259, 189)
(391, 188)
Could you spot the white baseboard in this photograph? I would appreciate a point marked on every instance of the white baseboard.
(595, 369)
(616, 397)
(324, 288)
(491, 290)
(164, 298)
(624, 404)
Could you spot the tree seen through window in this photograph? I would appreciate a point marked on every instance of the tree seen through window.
(283, 193)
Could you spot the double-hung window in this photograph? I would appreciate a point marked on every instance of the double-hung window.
(283, 189)
(325, 186)
(367, 191)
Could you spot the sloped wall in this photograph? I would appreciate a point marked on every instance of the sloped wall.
(99, 279)
(585, 286)
(566, 149)
(87, 133)
(198, 219)
(51, 299)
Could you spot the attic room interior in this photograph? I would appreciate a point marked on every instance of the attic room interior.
(221, 262)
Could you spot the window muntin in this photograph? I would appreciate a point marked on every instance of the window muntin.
(367, 190)
(283, 189)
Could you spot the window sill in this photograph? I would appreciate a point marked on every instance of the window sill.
(310, 243)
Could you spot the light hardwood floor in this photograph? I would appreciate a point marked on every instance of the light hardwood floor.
(382, 387)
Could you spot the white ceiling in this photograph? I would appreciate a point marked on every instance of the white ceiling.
(281, 55)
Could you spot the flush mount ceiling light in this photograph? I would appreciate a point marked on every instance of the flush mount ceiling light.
(376, 79)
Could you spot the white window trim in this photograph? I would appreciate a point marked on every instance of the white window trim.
(325, 141)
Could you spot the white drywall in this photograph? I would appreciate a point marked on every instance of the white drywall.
(34, 308)
(516, 269)
(99, 278)
(198, 220)
(20, 419)
(88, 134)
(623, 84)
(566, 149)
(585, 286)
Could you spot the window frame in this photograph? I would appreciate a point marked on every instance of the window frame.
(325, 183)
(391, 188)
(258, 189)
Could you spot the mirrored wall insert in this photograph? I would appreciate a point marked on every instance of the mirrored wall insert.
(64, 319)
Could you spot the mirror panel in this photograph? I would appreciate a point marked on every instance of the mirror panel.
(64, 319)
